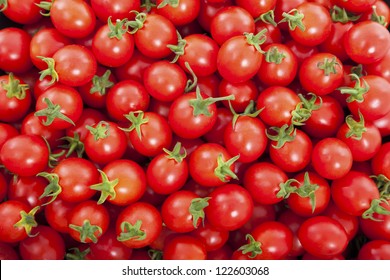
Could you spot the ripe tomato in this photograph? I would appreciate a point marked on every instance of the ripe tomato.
(27, 189)
(256, 8)
(243, 94)
(212, 237)
(26, 12)
(7, 252)
(355, 6)
(208, 9)
(25, 155)
(57, 215)
(380, 68)
(293, 222)
(375, 250)
(182, 13)
(377, 228)
(381, 161)
(116, 9)
(332, 43)
(184, 247)
(109, 248)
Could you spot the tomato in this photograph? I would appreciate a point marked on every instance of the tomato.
(14, 51)
(125, 97)
(105, 142)
(315, 26)
(212, 238)
(211, 165)
(268, 241)
(88, 117)
(7, 252)
(356, 194)
(27, 190)
(321, 73)
(239, 58)
(112, 45)
(278, 103)
(322, 236)
(57, 215)
(366, 42)
(274, 34)
(59, 107)
(256, 8)
(165, 81)
(48, 244)
(15, 98)
(109, 248)
(26, 12)
(182, 13)
(331, 158)
(355, 6)
(45, 43)
(7, 131)
(243, 94)
(152, 34)
(183, 211)
(17, 221)
(284, 6)
(138, 225)
(380, 68)
(381, 161)
(184, 247)
(293, 222)
(88, 221)
(230, 207)
(375, 250)
(73, 18)
(377, 228)
(229, 22)
(332, 43)
(122, 182)
(168, 171)
(25, 155)
(300, 51)
(116, 9)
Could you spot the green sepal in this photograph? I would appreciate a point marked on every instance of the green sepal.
(50, 71)
(87, 230)
(172, 3)
(136, 119)
(46, 6)
(196, 209)
(282, 135)
(178, 49)
(341, 15)
(53, 189)
(253, 247)
(377, 18)
(287, 188)
(155, 254)
(294, 19)
(14, 89)
(191, 83)
(118, 29)
(175, 153)
(328, 66)
(3, 3)
(223, 168)
(76, 254)
(249, 112)
(357, 92)
(304, 109)
(147, 6)
(256, 40)
(383, 184)
(28, 221)
(137, 23)
(274, 56)
(74, 145)
(129, 231)
(100, 131)
(375, 207)
(268, 18)
(200, 105)
(106, 187)
(102, 83)
(356, 128)
(52, 112)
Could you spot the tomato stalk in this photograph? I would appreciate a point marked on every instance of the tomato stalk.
(27, 221)
(274, 56)
(50, 71)
(356, 128)
(328, 66)
(74, 145)
(101, 131)
(223, 168)
(136, 122)
(155, 254)
(191, 84)
(268, 17)
(196, 209)
(3, 3)
(101, 84)
(172, 3)
(52, 112)
(178, 49)
(129, 231)
(14, 88)
(375, 207)
(53, 189)
(282, 135)
(46, 6)
(118, 29)
(175, 153)
(200, 105)
(256, 40)
(377, 18)
(106, 187)
(253, 247)
(137, 23)
(294, 19)
(76, 254)
(147, 5)
(341, 15)
(87, 231)
(249, 111)
(356, 93)
(304, 109)
(383, 184)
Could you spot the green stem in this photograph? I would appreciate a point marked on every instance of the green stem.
(175, 153)
(106, 187)
(52, 112)
(223, 171)
(87, 230)
(14, 89)
(294, 19)
(130, 231)
(355, 128)
(282, 135)
(196, 209)
(201, 106)
(136, 119)
(28, 221)
(253, 247)
(100, 131)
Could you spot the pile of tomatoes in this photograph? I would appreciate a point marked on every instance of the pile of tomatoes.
(194, 129)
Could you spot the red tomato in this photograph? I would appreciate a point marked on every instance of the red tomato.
(25, 12)
(116, 9)
(184, 247)
(255, 7)
(57, 215)
(213, 239)
(355, 6)
(27, 190)
(381, 161)
(182, 13)
(375, 250)
(377, 228)
(243, 94)
(293, 222)
(109, 248)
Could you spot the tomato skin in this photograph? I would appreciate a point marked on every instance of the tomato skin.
(355, 6)
(243, 94)
(293, 222)
(224, 118)
(26, 12)
(378, 229)
(117, 9)
(151, 223)
(230, 207)
(14, 52)
(186, 11)
(380, 68)
(88, 117)
(109, 248)
(48, 244)
(25, 155)
(354, 192)
(366, 42)
(255, 7)
(184, 247)
(322, 236)
(7, 252)
(27, 190)
(237, 61)
(57, 215)
(213, 238)
(331, 158)
(278, 103)
(332, 43)
(375, 250)
(381, 161)
(73, 18)
(7, 131)
(10, 211)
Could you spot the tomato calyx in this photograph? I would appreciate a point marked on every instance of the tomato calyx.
(268, 18)
(136, 119)
(223, 171)
(118, 29)
(27, 221)
(377, 18)
(201, 105)
(53, 189)
(46, 6)
(356, 93)
(74, 145)
(193, 81)
(294, 19)
(256, 40)
(356, 128)
(77, 254)
(249, 112)
(273, 55)
(87, 230)
(375, 207)
(155, 254)
(307, 189)
(341, 15)
(304, 109)
(137, 23)
(253, 247)
(383, 184)
(129, 231)
(101, 84)
(14, 89)
(175, 153)
(196, 209)
(52, 112)
(50, 71)
(172, 3)
(147, 5)
(100, 131)
(281, 135)
(328, 66)
(106, 187)
(3, 3)
(178, 49)
(53, 158)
